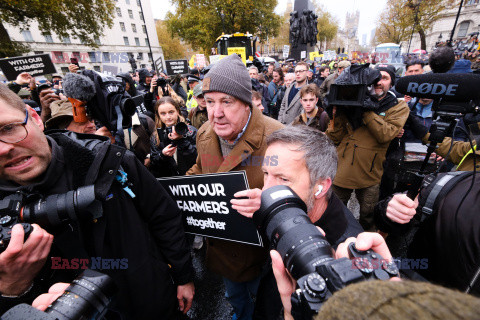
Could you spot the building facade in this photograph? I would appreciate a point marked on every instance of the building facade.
(125, 40)
(468, 22)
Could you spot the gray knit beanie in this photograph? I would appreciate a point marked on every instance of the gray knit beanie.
(229, 76)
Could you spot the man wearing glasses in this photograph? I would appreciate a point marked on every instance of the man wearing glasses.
(291, 106)
(142, 231)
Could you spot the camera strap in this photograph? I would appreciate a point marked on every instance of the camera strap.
(439, 189)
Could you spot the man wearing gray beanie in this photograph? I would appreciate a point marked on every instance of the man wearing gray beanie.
(234, 134)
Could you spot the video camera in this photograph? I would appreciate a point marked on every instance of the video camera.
(52, 211)
(307, 254)
(354, 88)
(87, 297)
(102, 97)
(454, 95)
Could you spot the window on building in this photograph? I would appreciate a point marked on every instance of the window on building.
(27, 35)
(137, 42)
(470, 2)
(125, 39)
(96, 68)
(97, 41)
(92, 56)
(134, 28)
(127, 1)
(58, 55)
(106, 56)
(130, 14)
(76, 54)
(122, 27)
(140, 56)
(138, 3)
(130, 55)
(140, 14)
(66, 40)
(150, 58)
(146, 42)
(462, 29)
(144, 28)
(119, 12)
(48, 37)
(65, 70)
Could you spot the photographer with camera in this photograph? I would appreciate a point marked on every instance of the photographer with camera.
(362, 136)
(144, 80)
(173, 149)
(96, 199)
(306, 161)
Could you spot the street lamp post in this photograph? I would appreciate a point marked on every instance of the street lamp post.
(415, 19)
(222, 16)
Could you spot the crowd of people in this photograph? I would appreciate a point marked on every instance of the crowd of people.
(324, 152)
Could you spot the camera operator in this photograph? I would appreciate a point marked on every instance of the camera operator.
(144, 230)
(362, 144)
(306, 161)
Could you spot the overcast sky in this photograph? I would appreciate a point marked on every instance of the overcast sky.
(368, 13)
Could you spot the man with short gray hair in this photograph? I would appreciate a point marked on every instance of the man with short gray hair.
(306, 161)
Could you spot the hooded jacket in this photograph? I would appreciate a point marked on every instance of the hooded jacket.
(361, 152)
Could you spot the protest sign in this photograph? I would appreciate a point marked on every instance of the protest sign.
(216, 58)
(35, 65)
(110, 70)
(240, 51)
(200, 60)
(286, 51)
(175, 67)
(205, 202)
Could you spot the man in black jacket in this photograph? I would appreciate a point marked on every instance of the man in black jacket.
(304, 159)
(139, 225)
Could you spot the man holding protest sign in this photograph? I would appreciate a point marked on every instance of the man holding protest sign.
(307, 163)
(234, 134)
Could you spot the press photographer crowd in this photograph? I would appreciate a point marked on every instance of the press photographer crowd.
(93, 226)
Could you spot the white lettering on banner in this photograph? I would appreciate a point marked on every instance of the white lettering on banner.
(213, 189)
(203, 206)
(208, 223)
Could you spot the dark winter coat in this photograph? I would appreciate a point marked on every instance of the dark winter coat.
(146, 231)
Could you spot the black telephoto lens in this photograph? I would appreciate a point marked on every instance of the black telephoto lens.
(86, 298)
(62, 208)
(283, 220)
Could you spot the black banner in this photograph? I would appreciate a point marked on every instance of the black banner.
(205, 202)
(35, 65)
(175, 67)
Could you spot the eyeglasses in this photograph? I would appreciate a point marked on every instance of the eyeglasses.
(300, 71)
(14, 132)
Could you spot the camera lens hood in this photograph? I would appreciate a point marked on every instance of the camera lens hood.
(274, 198)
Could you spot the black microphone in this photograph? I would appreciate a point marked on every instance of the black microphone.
(455, 87)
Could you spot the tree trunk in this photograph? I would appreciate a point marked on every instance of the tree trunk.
(423, 41)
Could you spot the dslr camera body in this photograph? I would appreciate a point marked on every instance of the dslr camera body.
(307, 255)
(49, 212)
(181, 128)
